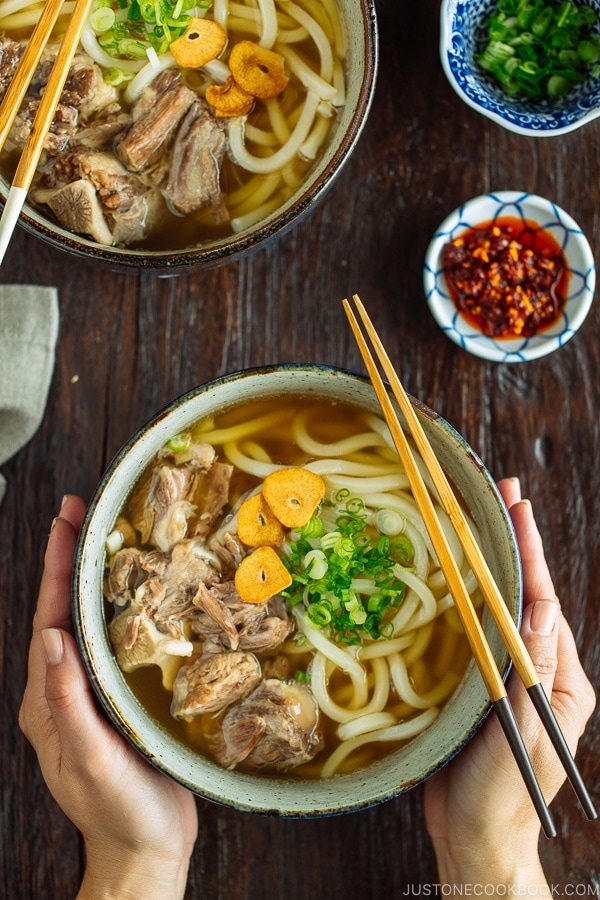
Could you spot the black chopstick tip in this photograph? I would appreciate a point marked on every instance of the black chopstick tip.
(507, 719)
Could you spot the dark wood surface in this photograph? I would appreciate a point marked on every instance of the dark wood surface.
(131, 341)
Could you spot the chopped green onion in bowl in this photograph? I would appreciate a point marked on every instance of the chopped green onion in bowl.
(540, 48)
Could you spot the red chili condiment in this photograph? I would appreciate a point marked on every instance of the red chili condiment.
(507, 276)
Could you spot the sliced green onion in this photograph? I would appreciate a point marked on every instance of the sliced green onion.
(102, 20)
(388, 521)
(180, 442)
(553, 42)
(315, 563)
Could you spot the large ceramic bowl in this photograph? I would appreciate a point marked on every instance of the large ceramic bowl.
(361, 61)
(293, 796)
(462, 34)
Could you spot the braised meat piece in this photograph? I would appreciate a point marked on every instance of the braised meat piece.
(276, 725)
(138, 642)
(213, 682)
(10, 56)
(156, 116)
(90, 192)
(198, 151)
(85, 93)
(162, 503)
(211, 497)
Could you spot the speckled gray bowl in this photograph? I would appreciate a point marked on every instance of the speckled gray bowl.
(380, 781)
(361, 71)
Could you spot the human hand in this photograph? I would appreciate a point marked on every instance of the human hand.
(477, 810)
(138, 825)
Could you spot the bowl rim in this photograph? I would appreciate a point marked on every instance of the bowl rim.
(447, 315)
(280, 799)
(445, 43)
(233, 247)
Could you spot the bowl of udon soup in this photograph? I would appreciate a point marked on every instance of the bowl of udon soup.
(190, 133)
(258, 604)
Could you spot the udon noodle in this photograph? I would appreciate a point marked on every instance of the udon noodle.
(368, 641)
(249, 160)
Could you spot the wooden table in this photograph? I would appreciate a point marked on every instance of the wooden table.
(131, 341)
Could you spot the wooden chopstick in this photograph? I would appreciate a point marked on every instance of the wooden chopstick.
(27, 65)
(493, 598)
(42, 122)
(471, 624)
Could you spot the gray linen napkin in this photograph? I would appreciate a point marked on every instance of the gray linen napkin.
(28, 331)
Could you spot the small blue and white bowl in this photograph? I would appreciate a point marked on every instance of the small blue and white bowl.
(578, 256)
(462, 33)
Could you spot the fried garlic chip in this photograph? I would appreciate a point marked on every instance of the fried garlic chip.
(261, 575)
(200, 43)
(258, 71)
(293, 495)
(229, 99)
(257, 526)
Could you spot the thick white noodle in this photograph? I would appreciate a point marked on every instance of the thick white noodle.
(363, 486)
(240, 223)
(286, 153)
(269, 24)
(339, 37)
(383, 647)
(218, 70)
(260, 137)
(336, 448)
(364, 724)
(289, 36)
(99, 55)
(343, 659)
(220, 436)
(319, 37)
(12, 6)
(221, 12)
(401, 680)
(246, 463)
(410, 603)
(419, 645)
(277, 120)
(339, 82)
(145, 76)
(311, 146)
(337, 713)
(424, 593)
(256, 451)
(401, 732)
(309, 78)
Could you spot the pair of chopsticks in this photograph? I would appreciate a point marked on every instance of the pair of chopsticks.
(47, 108)
(471, 624)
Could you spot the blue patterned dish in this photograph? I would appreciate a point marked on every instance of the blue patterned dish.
(462, 32)
(567, 234)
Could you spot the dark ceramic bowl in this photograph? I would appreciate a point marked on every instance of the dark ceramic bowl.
(424, 754)
(361, 69)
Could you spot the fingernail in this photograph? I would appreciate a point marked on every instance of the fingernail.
(54, 521)
(543, 616)
(53, 645)
(64, 500)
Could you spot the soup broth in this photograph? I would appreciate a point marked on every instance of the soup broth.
(348, 689)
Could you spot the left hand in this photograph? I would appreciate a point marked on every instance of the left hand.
(139, 826)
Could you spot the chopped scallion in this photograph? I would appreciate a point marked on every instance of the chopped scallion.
(540, 49)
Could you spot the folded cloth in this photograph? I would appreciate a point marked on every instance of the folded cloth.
(28, 331)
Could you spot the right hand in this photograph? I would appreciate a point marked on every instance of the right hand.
(477, 809)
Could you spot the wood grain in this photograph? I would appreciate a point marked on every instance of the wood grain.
(131, 341)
